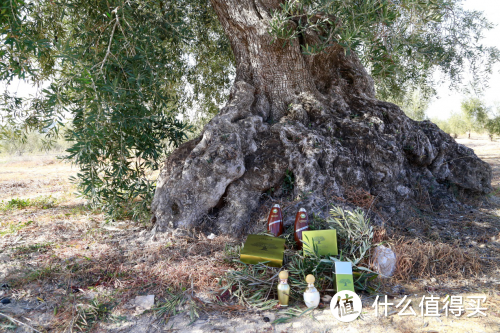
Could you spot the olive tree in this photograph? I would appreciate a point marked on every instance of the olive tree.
(290, 90)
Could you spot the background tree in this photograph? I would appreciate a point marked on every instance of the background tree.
(474, 114)
(493, 123)
(457, 124)
(415, 104)
(125, 72)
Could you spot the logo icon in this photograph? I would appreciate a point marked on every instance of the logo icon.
(275, 210)
(303, 215)
(346, 306)
(318, 239)
(264, 246)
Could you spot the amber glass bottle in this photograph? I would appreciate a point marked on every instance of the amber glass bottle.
(275, 221)
(301, 224)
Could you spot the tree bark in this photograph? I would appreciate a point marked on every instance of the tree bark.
(315, 116)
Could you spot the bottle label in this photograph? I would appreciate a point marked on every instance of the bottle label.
(278, 221)
(303, 228)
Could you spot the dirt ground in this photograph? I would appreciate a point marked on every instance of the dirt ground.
(489, 152)
(64, 267)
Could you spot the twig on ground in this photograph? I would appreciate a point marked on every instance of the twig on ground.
(19, 322)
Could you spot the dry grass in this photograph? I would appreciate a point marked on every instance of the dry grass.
(190, 263)
(115, 269)
(358, 197)
(196, 264)
(64, 252)
(34, 175)
(379, 235)
(417, 259)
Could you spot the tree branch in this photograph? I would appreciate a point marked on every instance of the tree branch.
(115, 11)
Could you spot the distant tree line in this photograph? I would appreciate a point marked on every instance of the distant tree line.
(474, 116)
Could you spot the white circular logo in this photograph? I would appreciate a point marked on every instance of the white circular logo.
(302, 215)
(346, 306)
(275, 210)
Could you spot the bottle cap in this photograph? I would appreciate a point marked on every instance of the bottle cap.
(310, 279)
(283, 275)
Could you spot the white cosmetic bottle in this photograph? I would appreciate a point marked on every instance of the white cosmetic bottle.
(311, 294)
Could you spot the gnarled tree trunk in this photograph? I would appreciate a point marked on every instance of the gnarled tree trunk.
(314, 115)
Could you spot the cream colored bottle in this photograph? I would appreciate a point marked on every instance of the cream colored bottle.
(311, 294)
(283, 289)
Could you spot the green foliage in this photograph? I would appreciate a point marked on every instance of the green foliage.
(493, 127)
(291, 313)
(125, 119)
(414, 103)
(444, 125)
(121, 71)
(17, 142)
(41, 202)
(457, 124)
(474, 115)
(24, 51)
(27, 249)
(355, 231)
(13, 228)
(7, 324)
(15, 204)
(402, 43)
(253, 285)
(174, 303)
(171, 305)
(89, 315)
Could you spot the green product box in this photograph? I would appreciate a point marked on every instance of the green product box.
(343, 276)
(260, 248)
(324, 240)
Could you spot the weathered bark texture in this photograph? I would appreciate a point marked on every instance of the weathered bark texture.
(316, 116)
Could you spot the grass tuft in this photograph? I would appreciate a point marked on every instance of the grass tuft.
(253, 285)
(89, 315)
(32, 248)
(13, 228)
(41, 202)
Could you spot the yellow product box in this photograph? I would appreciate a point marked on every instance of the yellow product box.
(260, 248)
(324, 240)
